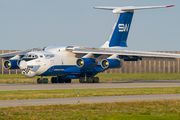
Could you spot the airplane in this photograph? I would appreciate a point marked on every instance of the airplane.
(83, 63)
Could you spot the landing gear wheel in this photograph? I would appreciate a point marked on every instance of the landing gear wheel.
(96, 80)
(55, 80)
(90, 80)
(60, 80)
(39, 81)
(67, 81)
(52, 80)
(45, 80)
(42, 80)
(81, 80)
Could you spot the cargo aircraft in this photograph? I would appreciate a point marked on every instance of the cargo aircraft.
(83, 63)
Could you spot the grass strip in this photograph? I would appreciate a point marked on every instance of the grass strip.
(19, 78)
(140, 110)
(138, 76)
(43, 94)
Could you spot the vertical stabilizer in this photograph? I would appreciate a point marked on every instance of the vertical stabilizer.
(119, 35)
(120, 30)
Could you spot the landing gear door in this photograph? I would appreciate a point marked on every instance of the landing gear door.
(51, 66)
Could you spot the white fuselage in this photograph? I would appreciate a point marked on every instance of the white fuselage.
(50, 57)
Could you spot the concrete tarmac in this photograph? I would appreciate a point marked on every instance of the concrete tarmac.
(122, 84)
(34, 102)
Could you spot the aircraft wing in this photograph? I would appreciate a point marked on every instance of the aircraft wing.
(20, 53)
(102, 51)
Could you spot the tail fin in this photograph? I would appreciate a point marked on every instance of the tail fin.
(120, 30)
(122, 25)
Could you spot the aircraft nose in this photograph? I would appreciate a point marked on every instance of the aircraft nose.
(30, 74)
(26, 70)
(22, 65)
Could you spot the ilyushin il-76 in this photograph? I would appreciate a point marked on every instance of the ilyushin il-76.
(83, 63)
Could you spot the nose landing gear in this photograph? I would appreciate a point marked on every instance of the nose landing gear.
(42, 80)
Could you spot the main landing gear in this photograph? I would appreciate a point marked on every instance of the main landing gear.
(89, 79)
(59, 80)
(53, 80)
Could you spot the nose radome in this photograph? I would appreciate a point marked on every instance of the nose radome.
(23, 65)
(30, 74)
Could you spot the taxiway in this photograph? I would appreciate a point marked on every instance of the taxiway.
(122, 84)
(34, 102)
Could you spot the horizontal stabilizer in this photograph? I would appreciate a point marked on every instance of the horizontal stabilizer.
(130, 8)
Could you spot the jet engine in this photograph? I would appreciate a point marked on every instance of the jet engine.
(11, 64)
(111, 63)
(86, 62)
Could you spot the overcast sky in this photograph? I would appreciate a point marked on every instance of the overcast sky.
(28, 24)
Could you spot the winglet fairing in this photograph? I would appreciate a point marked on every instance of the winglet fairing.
(119, 34)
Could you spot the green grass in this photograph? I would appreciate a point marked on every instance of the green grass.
(19, 78)
(42, 94)
(13, 76)
(138, 76)
(142, 110)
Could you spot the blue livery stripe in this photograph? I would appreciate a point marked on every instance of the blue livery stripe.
(120, 33)
(64, 70)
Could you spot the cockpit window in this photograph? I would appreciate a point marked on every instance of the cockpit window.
(28, 56)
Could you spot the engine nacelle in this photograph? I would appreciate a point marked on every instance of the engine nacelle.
(11, 64)
(111, 63)
(86, 62)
